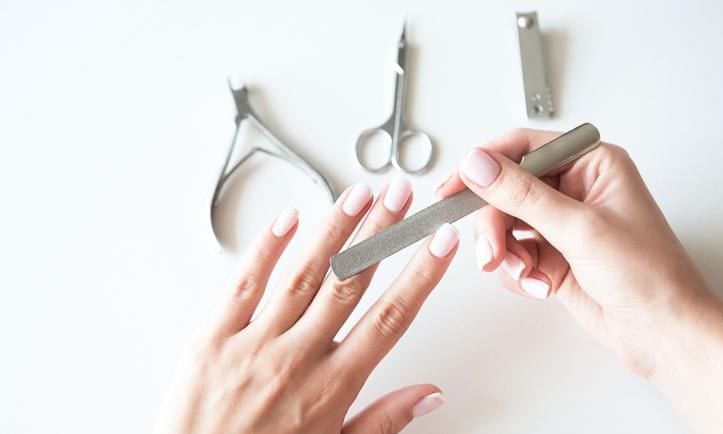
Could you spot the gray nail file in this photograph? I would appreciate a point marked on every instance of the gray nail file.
(541, 161)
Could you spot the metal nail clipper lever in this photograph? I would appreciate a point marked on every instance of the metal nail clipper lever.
(545, 159)
(538, 98)
(280, 150)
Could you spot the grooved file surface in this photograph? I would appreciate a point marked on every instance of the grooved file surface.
(542, 160)
(404, 233)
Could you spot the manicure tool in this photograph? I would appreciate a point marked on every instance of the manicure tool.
(538, 98)
(395, 130)
(541, 161)
(280, 150)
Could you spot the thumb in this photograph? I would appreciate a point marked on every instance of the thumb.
(392, 412)
(511, 189)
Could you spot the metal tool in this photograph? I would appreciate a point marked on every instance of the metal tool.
(541, 161)
(244, 112)
(538, 98)
(395, 131)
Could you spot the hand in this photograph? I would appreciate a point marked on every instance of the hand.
(592, 235)
(283, 372)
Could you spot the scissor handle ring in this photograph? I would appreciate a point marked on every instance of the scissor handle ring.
(427, 149)
(362, 141)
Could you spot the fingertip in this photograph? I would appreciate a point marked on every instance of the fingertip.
(428, 404)
(287, 220)
(448, 185)
(444, 241)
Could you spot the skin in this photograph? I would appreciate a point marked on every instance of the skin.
(594, 233)
(591, 234)
(283, 372)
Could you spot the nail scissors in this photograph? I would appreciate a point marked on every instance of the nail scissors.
(280, 150)
(395, 132)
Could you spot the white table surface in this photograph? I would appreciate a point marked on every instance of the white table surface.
(114, 119)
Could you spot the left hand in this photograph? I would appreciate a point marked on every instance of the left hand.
(283, 372)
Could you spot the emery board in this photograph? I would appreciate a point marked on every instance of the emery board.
(545, 159)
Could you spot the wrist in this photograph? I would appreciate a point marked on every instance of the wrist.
(688, 359)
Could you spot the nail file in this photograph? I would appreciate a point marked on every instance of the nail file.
(541, 161)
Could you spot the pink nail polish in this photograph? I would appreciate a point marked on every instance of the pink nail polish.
(285, 221)
(357, 198)
(513, 265)
(427, 404)
(535, 288)
(397, 194)
(443, 241)
(480, 168)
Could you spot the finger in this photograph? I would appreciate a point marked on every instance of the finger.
(513, 145)
(548, 272)
(299, 286)
(511, 189)
(518, 142)
(382, 326)
(257, 264)
(448, 185)
(337, 298)
(394, 411)
(490, 230)
(519, 259)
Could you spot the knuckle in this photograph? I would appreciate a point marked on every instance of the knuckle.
(345, 293)
(336, 229)
(423, 276)
(393, 318)
(616, 155)
(261, 253)
(519, 190)
(202, 348)
(248, 287)
(373, 227)
(303, 284)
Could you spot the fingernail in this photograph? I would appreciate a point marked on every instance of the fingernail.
(427, 404)
(397, 194)
(536, 288)
(443, 241)
(285, 221)
(444, 180)
(513, 265)
(357, 198)
(483, 252)
(480, 168)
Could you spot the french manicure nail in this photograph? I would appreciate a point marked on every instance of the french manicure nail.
(536, 288)
(480, 168)
(285, 221)
(397, 194)
(427, 404)
(513, 265)
(357, 198)
(443, 241)
(483, 252)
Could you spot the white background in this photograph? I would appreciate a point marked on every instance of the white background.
(115, 117)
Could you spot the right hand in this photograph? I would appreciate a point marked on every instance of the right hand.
(592, 235)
